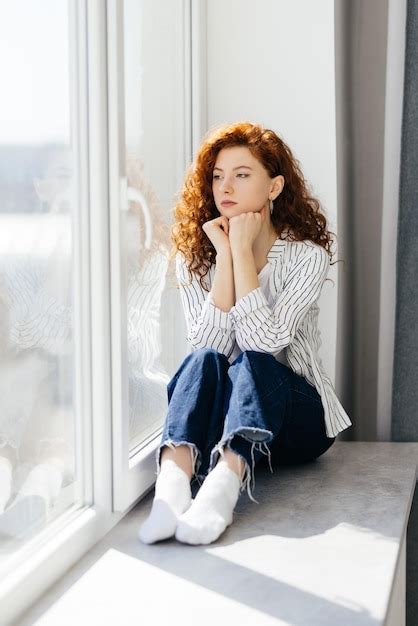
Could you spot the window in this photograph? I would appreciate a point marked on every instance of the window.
(95, 128)
(39, 289)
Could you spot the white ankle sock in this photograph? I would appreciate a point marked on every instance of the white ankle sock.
(173, 495)
(6, 474)
(212, 509)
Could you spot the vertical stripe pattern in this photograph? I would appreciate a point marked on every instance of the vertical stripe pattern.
(299, 270)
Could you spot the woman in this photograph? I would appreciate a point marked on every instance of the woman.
(252, 253)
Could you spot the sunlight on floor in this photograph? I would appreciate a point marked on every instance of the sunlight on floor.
(340, 565)
(119, 588)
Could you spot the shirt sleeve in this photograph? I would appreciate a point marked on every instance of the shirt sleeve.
(263, 328)
(207, 325)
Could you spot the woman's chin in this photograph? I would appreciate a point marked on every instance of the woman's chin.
(232, 210)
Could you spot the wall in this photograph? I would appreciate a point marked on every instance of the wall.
(370, 113)
(266, 64)
(328, 78)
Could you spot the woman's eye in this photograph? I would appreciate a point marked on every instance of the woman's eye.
(215, 176)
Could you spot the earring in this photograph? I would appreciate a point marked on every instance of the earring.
(271, 206)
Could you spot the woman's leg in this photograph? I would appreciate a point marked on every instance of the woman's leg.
(291, 410)
(181, 456)
(257, 400)
(269, 406)
(303, 436)
(259, 404)
(195, 413)
(194, 418)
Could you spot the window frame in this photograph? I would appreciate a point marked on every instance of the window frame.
(133, 470)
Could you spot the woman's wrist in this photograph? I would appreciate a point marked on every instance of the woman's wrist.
(224, 256)
(241, 251)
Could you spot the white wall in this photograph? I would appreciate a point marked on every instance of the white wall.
(273, 62)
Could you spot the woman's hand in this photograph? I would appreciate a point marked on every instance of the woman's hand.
(245, 228)
(218, 230)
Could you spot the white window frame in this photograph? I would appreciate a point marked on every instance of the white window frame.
(133, 471)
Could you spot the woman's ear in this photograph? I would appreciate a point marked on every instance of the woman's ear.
(278, 185)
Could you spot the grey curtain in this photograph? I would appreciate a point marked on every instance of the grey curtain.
(405, 375)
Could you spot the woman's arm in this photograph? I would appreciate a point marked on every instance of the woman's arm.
(208, 325)
(243, 232)
(223, 288)
(245, 273)
(268, 329)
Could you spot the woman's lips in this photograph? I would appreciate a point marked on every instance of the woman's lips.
(228, 203)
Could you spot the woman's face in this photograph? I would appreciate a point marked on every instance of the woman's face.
(239, 177)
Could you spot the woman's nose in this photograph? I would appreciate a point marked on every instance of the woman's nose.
(225, 184)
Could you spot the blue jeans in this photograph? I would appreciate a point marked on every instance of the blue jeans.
(254, 406)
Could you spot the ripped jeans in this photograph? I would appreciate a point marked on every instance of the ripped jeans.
(254, 406)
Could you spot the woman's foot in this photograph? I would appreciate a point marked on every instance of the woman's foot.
(172, 497)
(212, 509)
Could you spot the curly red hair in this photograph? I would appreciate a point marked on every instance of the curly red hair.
(295, 210)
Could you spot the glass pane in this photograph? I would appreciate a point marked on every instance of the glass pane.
(154, 114)
(36, 306)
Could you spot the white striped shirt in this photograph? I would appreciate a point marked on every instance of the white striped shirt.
(298, 271)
